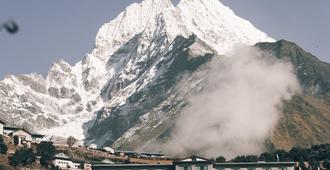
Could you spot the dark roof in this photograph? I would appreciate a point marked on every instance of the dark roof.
(48, 142)
(138, 153)
(126, 152)
(11, 128)
(15, 128)
(37, 135)
(254, 164)
(135, 166)
(148, 153)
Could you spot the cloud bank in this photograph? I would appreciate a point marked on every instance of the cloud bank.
(238, 107)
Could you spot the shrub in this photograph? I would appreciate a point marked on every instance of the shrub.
(220, 159)
(23, 157)
(326, 164)
(3, 146)
(248, 158)
(267, 157)
(46, 150)
(71, 141)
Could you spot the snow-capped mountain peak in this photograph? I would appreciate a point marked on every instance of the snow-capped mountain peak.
(222, 28)
(130, 22)
(134, 53)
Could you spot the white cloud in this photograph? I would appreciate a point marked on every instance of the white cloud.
(238, 107)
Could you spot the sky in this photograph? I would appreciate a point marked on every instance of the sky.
(62, 29)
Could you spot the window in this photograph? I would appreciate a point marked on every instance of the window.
(203, 167)
(185, 168)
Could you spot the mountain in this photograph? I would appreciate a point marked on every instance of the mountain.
(306, 118)
(132, 53)
(133, 85)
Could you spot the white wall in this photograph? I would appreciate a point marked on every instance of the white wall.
(64, 164)
(22, 133)
(274, 168)
(193, 167)
(1, 129)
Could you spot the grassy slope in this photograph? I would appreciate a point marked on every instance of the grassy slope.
(306, 118)
(305, 122)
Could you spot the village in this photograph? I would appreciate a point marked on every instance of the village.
(72, 156)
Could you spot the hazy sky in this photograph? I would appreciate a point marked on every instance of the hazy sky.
(51, 30)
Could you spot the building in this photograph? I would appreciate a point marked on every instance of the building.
(64, 162)
(132, 167)
(255, 166)
(152, 155)
(193, 163)
(2, 124)
(126, 153)
(199, 163)
(109, 150)
(10, 129)
(37, 138)
(21, 137)
(107, 161)
(92, 146)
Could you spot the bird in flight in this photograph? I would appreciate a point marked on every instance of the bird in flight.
(10, 26)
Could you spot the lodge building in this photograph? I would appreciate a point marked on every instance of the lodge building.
(19, 136)
(198, 163)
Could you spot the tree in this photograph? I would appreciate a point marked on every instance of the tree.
(267, 157)
(299, 154)
(326, 164)
(220, 159)
(314, 164)
(3, 146)
(47, 151)
(23, 157)
(71, 141)
(248, 158)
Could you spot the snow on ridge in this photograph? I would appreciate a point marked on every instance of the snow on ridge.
(210, 20)
(213, 23)
(222, 28)
(130, 22)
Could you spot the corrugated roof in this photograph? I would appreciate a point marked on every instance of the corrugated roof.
(62, 155)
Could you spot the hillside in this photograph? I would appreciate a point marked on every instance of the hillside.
(306, 118)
